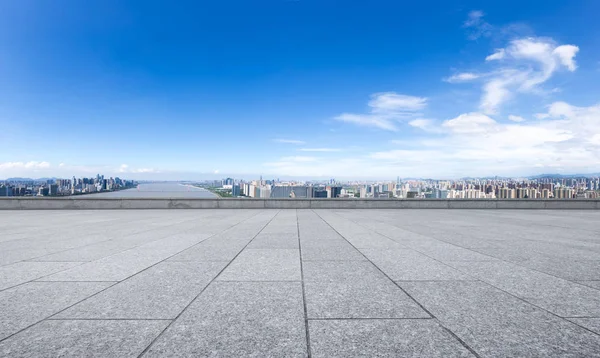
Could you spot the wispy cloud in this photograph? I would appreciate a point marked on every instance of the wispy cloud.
(32, 165)
(289, 141)
(387, 108)
(320, 150)
(514, 118)
(462, 77)
(525, 64)
(477, 26)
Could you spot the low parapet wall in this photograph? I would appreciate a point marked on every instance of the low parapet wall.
(230, 203)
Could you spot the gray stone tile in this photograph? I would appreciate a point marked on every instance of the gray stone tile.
(211, 251)
(239, 319)
(383, 338)
(21, 272)
(126, 263)
(29, 303)
(512, 254)
(274, 242)
(339, 271)
(454, 253)
(564, 298)
(160, 292)
(264, 265)
(83, 339)
(409, 265)
(113, 268)
(371, 297)
(354, 289)
(593, 284)
(336, 251)
(575, 270)
(373, 241)
(593, 324)
(89, 252)
(496, 324)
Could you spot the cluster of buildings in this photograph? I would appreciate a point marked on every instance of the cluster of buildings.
(536, 188)
(62, 187)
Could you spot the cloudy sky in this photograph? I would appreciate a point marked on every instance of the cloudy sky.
(154, 89)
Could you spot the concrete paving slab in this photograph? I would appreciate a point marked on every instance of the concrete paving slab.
(383, 338)
(210, 252)
(264, 265)
(593, 324)
(239, 319)
(409, 265)
(339, 271)
(274, 242)
(561, 297)
(32, 302)
(593, 284)
(540, 263)
(494, 323)
(161, 292)
(21, 272)
(366, 298)
(83, 339)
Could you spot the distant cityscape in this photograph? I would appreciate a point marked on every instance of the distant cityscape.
(532, 188)
(543, 187)
(62, 187)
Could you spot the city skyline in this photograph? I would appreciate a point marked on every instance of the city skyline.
(294, 90)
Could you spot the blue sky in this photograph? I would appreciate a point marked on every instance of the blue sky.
(345, 89)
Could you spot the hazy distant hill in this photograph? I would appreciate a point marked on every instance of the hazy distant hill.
(29, 179)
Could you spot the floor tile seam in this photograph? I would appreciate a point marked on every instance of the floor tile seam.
(420, 252)
(517, 297)
(371, 318)
(162, 238)
(109, 319)
(528, 223)
(99, 242)
(463, 343)
(257, 281)
(525, 301)
(304, 304)
(147, 348)
(97, 293)
(83, 225)
(495, 258)
(50, 274)
(53, 253)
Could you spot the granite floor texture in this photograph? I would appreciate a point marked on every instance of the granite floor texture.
(300, 283)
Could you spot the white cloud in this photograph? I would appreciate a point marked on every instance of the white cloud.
(462, 77)
(391, 102)
(124, 168)
(320, 150)
(498, 55)
(516, 118)
(298, 158)
(526, 64)
(33, 165)
(477, 25)
(387, 109)
(470, 123)
(421, 123)
(566, 54)
(567, 140)
(289, 141)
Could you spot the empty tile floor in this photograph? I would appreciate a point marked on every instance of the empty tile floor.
(300, 283)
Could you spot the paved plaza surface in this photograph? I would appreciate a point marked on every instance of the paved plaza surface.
(299, 283)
